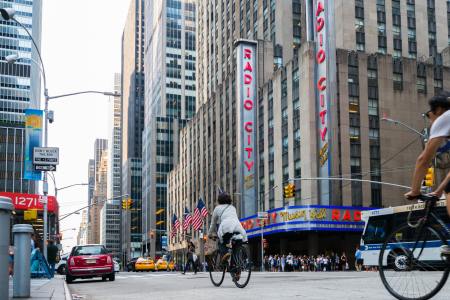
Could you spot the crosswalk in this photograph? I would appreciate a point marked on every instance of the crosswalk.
(144, 275)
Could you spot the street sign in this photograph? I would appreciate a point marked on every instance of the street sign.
(46, 156)
(263, 215)
(49, 168)
(164, 242)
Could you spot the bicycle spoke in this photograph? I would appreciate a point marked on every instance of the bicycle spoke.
(410, 268)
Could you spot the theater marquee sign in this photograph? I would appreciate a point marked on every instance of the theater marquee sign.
(246, 117)
(305, 218)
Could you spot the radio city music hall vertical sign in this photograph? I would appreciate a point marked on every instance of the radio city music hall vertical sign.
(246, 116)
(321, 33)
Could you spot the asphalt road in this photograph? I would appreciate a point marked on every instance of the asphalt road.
(320, 285)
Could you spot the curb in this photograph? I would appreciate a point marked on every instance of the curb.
(67, 291)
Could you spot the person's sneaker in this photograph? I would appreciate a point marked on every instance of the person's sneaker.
(445, 249)
(226, 256)
(237, 276)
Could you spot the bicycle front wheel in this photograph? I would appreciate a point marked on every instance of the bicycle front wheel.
(411, 265)
(216, 268)
(241, 266)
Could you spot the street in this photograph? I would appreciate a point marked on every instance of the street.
(319, 285)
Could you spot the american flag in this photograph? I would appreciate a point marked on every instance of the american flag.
(187, 219)
(200, 212)
(175, 225)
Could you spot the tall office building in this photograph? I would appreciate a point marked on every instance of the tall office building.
(326, 73)
(132, 106)
(111, 211)
(82, 231)
(169, 103)
(19, 90)
(99, 192)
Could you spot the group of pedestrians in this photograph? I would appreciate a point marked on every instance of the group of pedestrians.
(306, 263)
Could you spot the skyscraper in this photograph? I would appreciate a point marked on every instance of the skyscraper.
(132, 106)
(111, 211)
(100, 165)
(19, 90)
(169, 103)
(327, 72)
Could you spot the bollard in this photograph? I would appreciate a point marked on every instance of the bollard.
(22, 253)
(5, 216)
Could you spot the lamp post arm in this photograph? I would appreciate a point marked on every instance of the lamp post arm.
(69, 186)
(404, 125)
(83, 92)
(92, 204)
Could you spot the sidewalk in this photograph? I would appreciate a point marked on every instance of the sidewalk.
(54, 289)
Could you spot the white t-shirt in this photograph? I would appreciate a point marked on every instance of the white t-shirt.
(441, 126)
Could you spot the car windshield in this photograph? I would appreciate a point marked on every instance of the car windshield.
(88, 250)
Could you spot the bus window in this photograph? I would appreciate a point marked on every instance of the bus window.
(377, 229)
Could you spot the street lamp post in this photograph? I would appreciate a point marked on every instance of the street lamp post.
(8, 14)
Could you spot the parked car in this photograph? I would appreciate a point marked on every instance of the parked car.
(61, 266)
(90, 261)
(144, 264)
(131, 264)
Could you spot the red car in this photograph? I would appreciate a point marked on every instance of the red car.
(90, 261)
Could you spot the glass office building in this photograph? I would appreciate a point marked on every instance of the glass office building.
(19, 90)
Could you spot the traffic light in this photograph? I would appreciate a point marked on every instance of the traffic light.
(124, 204)
(429, 177)
(130, 203)
(289, 190)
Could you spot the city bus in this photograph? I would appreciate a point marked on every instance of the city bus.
(379, 223)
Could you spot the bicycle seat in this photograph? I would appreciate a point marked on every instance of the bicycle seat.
(427, 197)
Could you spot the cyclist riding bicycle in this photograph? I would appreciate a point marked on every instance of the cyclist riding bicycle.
(439, 115)
(226, 217)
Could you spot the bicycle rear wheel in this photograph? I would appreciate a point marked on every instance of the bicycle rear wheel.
(413, 273)
(216, 268)
(241, 266)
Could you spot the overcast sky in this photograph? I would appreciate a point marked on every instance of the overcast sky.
(81, 45)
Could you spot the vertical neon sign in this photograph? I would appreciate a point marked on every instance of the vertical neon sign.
(246, 115)
(322, 95)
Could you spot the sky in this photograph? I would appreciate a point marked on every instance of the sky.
(81, 46)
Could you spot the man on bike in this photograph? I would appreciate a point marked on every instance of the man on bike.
(439, 115)
(226, 217)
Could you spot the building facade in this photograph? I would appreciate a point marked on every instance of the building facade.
(322, 92)
(19, 89)
(82, 237)
(132, 120)
(169, 103)
(111, 211)
(100, 164)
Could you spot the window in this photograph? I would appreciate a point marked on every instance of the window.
(373, 107)
(422, 85)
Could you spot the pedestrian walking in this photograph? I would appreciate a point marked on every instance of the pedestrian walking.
(344, 263)
(358, 259)
(52, 253)
(283, 262)
(190, 255)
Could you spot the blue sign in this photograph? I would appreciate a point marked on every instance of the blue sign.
(164, 241)
(33, 138)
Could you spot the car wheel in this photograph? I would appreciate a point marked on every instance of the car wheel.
(112, 276)
(69, 279)
(62, 270)
(104, 278)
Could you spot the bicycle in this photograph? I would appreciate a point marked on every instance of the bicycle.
(410, 262)
(239, 265)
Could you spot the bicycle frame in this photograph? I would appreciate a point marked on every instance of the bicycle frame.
(426, 220)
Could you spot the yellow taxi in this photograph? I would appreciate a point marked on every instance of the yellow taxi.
(171, 266)
(162, 264)
(144, 264)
